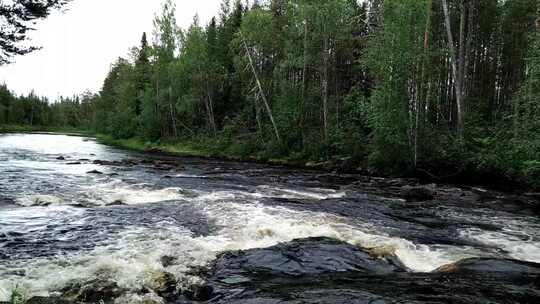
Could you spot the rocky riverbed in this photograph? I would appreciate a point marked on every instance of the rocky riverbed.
(84, 223)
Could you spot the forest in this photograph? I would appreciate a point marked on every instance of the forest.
(437, 87)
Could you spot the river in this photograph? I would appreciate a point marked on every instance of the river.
(72, 210)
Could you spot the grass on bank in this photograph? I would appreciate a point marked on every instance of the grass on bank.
(41, 129)
(206, 148)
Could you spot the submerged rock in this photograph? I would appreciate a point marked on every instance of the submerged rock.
(200, 293)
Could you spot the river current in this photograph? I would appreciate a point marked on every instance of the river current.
(72, 209)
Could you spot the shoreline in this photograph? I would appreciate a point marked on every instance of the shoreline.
(469, 177)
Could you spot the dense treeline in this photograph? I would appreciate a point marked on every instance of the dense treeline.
(34, 111)
(437, 85)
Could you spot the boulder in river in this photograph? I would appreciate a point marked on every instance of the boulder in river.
(95, 172)
(45, 200)
(322, 270)
(491, 266)
(163, 284)
(417, 194)
(94, 291)
(302, 257)
(115, 203)
(167, 261)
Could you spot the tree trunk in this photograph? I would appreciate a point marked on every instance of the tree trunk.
(304, 76)
(172, 113)
(324, 86)
(259, 85)
(419, 108)
(455, 70)
(210, 107)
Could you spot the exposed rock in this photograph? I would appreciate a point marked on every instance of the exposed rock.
(95, 172)
(302, 257)
(94, 291)
(492, 266)
(167, 261)
(61, 158)
(45, 200)
(47, 300)
(417, 194)
(115, 203)
(326, 165)
(74, 163)
(163, 284)
(120, 163)
(320, 270)
(146, 298)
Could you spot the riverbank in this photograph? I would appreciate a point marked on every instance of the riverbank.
(468, 175)
(41, 129)
(464, 175)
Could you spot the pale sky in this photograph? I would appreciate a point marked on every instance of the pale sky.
(80, 44)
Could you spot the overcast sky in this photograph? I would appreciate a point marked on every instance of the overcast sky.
(80, 44)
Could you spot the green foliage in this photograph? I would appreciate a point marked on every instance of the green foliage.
(367, 80)
(17, 296)
(393, 57)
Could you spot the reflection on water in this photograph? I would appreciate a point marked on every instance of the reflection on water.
(58, 223)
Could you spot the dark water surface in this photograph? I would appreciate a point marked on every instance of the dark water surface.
(59, 223)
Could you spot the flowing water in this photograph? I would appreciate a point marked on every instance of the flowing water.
(59, 223)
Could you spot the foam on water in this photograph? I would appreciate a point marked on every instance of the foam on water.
(314, 193)
(103, 194)
(259, 226)
(131, 260)
(522, 247)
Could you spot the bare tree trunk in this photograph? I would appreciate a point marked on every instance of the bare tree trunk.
(263, 96)
(172, 113)
(324, 86)
(258, 115)
(461, 68)
(455, 71)
(468, 46)
(418, 106)
(304, 76)
(210, 107)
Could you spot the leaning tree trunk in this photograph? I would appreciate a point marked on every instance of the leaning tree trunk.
(261, 91)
